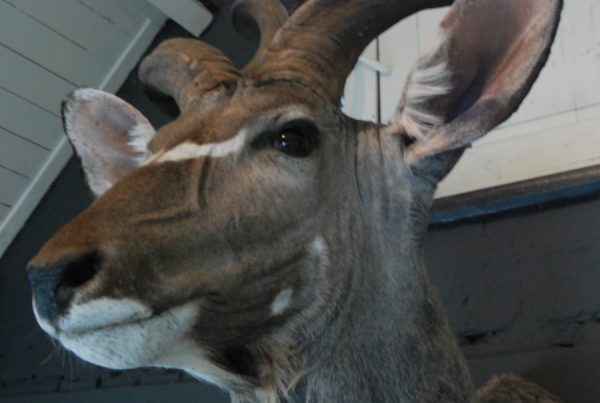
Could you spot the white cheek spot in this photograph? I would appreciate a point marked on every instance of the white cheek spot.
(102, 312)
(190, 150)
(318, 246)
(281, 302)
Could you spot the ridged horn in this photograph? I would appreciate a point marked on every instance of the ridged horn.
(186, 69)
(322, 40)
(258, 19)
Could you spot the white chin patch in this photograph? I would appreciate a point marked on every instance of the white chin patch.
(121, 333)
(101, 312)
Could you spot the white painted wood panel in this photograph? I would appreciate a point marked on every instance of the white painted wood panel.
(190, 14)
(79, 24)
(580, 27)
(117, 13)
(47, 49)
(4, 210)
(20, 155)
(12, 187)
(19, 115)
(397, 53)
(31, 81)
(360, 93)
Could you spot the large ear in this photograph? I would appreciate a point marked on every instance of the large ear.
(484, 60)
(109, 136)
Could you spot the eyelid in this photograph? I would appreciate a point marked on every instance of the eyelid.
(300, 123)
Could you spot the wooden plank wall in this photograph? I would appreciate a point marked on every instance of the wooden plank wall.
(557, 128)
(47, 49)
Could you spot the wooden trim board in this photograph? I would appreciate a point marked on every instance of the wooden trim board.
(60, 154)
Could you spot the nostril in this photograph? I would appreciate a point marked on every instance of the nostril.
(75, 274)
(81, 270)
(54, 285)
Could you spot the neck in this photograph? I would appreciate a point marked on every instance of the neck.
(394, 344)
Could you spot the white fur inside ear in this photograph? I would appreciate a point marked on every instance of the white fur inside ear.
(139, 138)
(429, 79)
(110, 136)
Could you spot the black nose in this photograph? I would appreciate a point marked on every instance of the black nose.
(54, 285)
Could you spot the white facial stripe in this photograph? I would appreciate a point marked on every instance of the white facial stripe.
(189, 150)
(102, 312)
(281, 302)
(135, 344)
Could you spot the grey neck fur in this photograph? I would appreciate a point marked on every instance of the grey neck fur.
(391, 342)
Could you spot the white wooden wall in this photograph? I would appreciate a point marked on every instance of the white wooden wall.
(47, 49)
(557, 128)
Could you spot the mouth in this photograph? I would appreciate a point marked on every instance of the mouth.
(120, 339)
(97, 315)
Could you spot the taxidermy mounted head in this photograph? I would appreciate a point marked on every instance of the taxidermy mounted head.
(263, 239)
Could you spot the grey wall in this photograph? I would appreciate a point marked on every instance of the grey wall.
(521, 293)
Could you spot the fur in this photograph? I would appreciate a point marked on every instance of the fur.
(270, 273)
(509, 388)
(430, 79)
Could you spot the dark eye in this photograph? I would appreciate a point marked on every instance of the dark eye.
(292, 143)
(296, 138)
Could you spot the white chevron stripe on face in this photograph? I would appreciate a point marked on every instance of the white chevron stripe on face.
(190, 150)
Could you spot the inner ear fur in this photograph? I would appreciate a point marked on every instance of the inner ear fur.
(109, 136)
(475, 74)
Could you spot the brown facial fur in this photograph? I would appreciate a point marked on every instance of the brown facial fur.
(290, 267)
(154, 224)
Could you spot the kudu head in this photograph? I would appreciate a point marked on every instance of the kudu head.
(230, 240)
